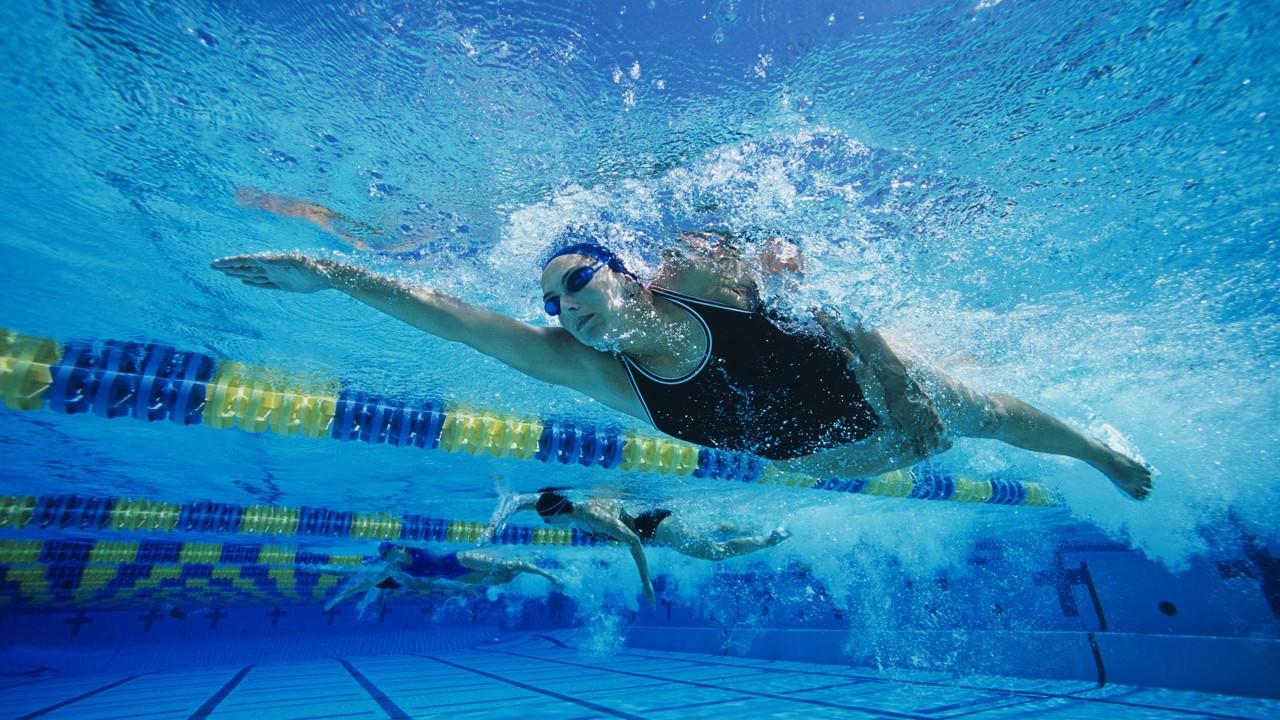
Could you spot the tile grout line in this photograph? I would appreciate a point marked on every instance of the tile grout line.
(1030, 694)
(549, 693)
(756, 693)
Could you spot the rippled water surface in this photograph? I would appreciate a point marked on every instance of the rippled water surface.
(1073, 202)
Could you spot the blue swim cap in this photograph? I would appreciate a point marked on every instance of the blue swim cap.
(585, 240)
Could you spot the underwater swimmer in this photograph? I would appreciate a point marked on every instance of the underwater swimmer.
(423, 569)
(692, 352)
(605, 518)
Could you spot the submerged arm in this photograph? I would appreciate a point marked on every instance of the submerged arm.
(612, 526)
(548, 354)
(709, 267)
(508, 504)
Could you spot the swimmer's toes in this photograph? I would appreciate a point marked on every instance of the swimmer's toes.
(1140, 488)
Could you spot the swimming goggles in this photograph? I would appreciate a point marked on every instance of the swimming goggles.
(573, 282)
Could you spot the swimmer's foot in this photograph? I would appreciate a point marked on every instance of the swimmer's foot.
(778, 535)
(1130, 476)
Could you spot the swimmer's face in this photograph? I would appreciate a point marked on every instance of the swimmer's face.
(592, 313)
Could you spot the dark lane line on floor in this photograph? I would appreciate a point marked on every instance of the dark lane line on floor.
(753, 693)
(993, 708)
(213, 702)
(392, 710)
(78, 698)
(548, 693)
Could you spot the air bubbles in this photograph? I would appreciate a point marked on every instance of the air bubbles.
(763, 62)
(382, 190)
(279, 158)
(206, 39)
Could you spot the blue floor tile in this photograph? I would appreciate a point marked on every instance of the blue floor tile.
(535, 678)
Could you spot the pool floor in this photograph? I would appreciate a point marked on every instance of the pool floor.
(539, 676)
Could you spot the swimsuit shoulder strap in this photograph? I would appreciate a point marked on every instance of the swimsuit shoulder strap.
(691, 300)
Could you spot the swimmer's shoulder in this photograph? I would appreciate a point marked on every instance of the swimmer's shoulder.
(705, 278)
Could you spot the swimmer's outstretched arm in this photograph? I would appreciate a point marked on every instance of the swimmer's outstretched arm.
(545, 353)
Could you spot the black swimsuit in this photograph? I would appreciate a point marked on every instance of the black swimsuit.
(759, 389)
(645, 525)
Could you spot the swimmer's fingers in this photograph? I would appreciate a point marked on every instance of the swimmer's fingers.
(255, 260)
(293, 272)
(236, 261)
(242, 267)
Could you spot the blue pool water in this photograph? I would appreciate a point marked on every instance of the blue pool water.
(1074, 203)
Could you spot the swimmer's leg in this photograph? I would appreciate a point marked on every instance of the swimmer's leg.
(490, 570)
(1018, 423)
(372, 595)
(348, 589)
(685, 541)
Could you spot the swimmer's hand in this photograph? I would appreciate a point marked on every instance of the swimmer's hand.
(508, 504)
(779, 256)
(292, 272)
(648, 592)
